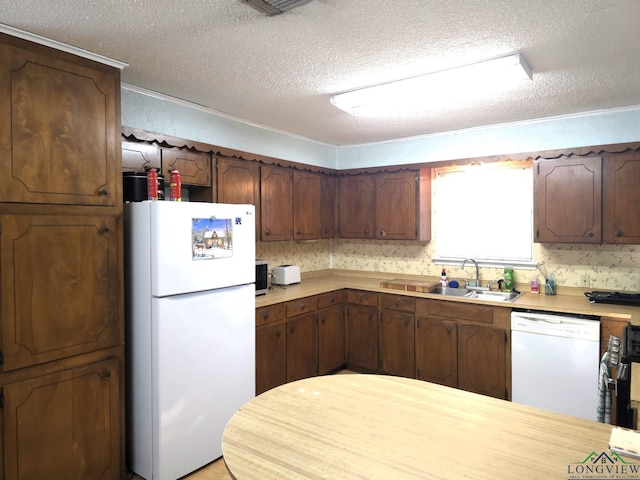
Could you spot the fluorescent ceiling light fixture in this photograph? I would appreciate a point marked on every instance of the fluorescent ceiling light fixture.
(418, 93)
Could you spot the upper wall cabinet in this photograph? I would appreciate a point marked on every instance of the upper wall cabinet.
(239, 182)
(59, 122)
(140, 156)
(328, 206)
(567, 200)
(621, 215)
(355, 206)
(307, 206)
(386, 206)
(194, 166)
(276, 197)
(587, 200)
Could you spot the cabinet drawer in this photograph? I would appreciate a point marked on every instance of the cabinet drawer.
(362, 298)
(398, 302)
(459, 311)
(270, 314)
(329, 299)
(300, 306)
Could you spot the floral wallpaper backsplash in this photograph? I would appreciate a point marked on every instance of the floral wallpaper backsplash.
(607, 267)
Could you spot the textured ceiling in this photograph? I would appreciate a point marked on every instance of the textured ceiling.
(280, 71)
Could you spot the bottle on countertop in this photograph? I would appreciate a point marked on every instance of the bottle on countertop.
(443, 278)
(535, 286)
(509, 282)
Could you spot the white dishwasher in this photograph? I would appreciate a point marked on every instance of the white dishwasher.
(555, 361)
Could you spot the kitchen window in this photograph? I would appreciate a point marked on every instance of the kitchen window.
(484, 212)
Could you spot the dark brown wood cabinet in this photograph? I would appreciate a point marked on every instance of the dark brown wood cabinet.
(437, 350)
(302, 347)
(194, 166)
(307, 207)
(271, 356)
(361, 323)
(331, 339)
(239, 182)
(356, 206)
(403, 205)
(140, 156)
(302, 338)
(61, 272)
(276, 200)
(397, 335)
(65, 424)
(567, 200)
(60, 287)
(328, 206)
(59, 127)
(621, 197)
(331, 331)
(386, 206)
(482, 360)
(464, 346)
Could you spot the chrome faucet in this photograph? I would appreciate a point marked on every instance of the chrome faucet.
(477, 270)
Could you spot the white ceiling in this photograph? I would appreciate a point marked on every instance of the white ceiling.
(279, 71)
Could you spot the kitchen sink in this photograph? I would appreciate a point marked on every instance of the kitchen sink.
(477, 294)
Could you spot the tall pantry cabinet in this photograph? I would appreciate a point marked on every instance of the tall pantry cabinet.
(61, 274)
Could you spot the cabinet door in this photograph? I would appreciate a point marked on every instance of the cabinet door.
(64, 425)
(328, 206)
(356, 207)
(194, 166)
(437, 351)
(302, 347)
(397, 343)
(621, 215)
(362, 337)
(60, 287)
(307, 224)
(482, 360)
(239, 182)
(276, 199)
(396, 205)
(271, 356)
(139, 156)
(59, 130)
(331, 339)
(568, 200)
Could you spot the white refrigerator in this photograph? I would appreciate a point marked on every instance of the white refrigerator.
(190, 330)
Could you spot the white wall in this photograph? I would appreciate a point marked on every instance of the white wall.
(593, 128)
(158, 113)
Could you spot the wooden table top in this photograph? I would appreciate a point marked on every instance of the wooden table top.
(360, 426)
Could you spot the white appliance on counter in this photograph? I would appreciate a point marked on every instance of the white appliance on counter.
(555, 361)
(190, 320)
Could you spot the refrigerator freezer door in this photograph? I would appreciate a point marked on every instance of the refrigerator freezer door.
(192, 246)
(203, 372)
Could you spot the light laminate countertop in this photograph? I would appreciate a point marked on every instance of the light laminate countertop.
(570, 300)
(382, 427)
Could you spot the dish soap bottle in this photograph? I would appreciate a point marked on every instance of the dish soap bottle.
(508, 279)
(443, 278)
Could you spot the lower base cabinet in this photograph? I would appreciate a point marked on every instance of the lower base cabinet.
(460, 345)
(362, 330)
(302, 347)
(271, 356)
(463, 346)
(65, 424)
(437, 351)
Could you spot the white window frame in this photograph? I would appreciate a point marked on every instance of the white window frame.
(484, 206)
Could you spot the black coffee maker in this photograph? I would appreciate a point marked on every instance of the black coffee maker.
(629, 353)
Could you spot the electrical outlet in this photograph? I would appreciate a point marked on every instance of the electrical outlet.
(585, 280)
